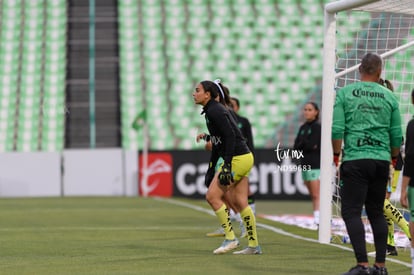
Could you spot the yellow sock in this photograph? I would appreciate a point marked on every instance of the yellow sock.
(390, 239)
(390, 211)
(390, 223)
(224, 218)
(250, 222)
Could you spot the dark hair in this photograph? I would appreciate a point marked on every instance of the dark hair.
(412, 96)
(314, 106)
(371, 63)
(213, 88)
(226, 99)
(386, 83)
(237, 101)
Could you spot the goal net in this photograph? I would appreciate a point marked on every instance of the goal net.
(353, 28)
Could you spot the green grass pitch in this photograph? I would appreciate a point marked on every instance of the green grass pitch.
(156, 236)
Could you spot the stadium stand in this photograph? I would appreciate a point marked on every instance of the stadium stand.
(268, 54)
(32, 52)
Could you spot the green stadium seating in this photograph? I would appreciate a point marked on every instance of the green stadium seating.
(267, 52)
(32, 58)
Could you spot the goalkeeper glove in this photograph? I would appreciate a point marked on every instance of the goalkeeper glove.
(225, 176)
(336, 159)
(394, 161)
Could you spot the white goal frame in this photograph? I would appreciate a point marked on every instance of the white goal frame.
(328, 94)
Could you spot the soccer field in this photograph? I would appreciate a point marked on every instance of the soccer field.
(156, 236)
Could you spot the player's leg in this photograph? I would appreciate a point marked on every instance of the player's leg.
(313, 185)
(374, 207)
(214, 197)
(391, 250)
(393, 215)
(354, 186)
(219, 232)
(241, 166)
(251, 200)
(234, 216)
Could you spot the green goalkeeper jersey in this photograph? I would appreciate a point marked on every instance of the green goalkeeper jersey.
(367, 118)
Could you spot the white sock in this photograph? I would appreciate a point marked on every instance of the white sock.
(253, 207)
(235, 216)
(412, 261)
(316, 216)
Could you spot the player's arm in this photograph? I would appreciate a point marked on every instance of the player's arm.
(223, 124)
(314, 139)
(249, 135)
(395, 133)
(403, 195)
(214, 157)
(338, 125)
(203, 136)
(299, 143)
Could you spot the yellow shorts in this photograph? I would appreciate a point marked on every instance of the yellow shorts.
(241, 166)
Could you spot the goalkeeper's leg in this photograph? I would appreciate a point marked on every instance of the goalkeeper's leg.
(224, 218)
(246, 212)
(214, 197)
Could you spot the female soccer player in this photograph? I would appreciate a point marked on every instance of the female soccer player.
(234, 215)
(229, 144)
(308, 140)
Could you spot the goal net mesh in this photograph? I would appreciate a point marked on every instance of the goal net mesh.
(390, 34)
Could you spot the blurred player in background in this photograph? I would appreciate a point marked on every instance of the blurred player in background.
(407, 189)
(391, 213)
(229, 144)
(246, 129)
(367, 118)
(308, 140)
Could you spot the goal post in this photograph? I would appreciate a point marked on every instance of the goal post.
(378, 31)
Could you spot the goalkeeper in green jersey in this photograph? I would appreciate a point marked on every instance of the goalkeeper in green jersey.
(367, 121)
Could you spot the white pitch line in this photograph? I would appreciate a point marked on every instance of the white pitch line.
(93, 228)
(271, 228)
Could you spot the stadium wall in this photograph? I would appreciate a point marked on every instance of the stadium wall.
(117, 172)
(30, 174)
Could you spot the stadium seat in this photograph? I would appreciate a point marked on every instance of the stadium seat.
(267, 53)
(34, 75)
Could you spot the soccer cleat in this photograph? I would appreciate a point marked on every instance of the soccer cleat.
(227, 246)
(391, 250)
(379, 270)
(218, 233)
(358, 270)
(249, 251)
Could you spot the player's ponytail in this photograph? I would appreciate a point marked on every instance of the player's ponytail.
(386, 83)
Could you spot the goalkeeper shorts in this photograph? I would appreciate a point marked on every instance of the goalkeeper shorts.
(240, 166)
